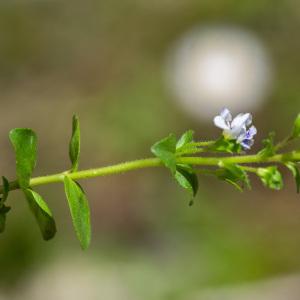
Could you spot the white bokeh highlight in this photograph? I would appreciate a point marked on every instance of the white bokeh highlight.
(214, 67)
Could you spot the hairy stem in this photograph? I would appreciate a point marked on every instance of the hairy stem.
(155, 162)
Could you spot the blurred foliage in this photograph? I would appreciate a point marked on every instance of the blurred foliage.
(104, 60)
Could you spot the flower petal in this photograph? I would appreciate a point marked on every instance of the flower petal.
(226, 115)
(236, 131)
(242, 135)
(252, 131)
(246, 144)
(220, 122)
(241, 120)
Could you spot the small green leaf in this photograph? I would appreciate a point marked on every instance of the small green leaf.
(185, 139)
(295, 171)
(80, 211)
(24, 142)
(187, 178)
(226, 145)
(5, 185)
(234, 175)
(42, 214)
(74, 147)
(165, 150)
(269, 148)
(296, 128)
(3, 211)
(235, 184)
(271, 177)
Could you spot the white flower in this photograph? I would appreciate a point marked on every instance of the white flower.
(236, 128)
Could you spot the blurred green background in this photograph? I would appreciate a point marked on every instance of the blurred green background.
(105, 61)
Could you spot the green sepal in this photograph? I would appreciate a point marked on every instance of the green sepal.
(80, 211)
(226, 145)
(295, 171)
(42, 214)
(165, 150)
(296, 128)
(233, 174)
(269, 148)
(74, 146)
(24, 142)
(271, 177)
(186, 177)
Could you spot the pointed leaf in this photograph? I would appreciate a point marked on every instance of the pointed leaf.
(296, 128)
(5, 185)
(74, 147)
(185, 139)
(24, 142)
(187, 178)
(269, 148)
(165, 150)
(295, 171)
(3, 211)
(42, 214)
(80, 211)
(234, 184)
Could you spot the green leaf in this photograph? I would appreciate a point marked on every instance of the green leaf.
(296, 128)
(80, 211)
(295, 171)
(271, 177)
(234, 175)
(269, 148)
(185, 140)
(5, 185)
(187, 178)
(165, 150)
(226, 145)
(24, 142)
(74, 147)
(3, 211)
(42, 214)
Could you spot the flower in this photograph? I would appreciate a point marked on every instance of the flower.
(237, 128)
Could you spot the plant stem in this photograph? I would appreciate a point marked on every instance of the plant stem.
(155, 162)
(203, 143)
(283, 143)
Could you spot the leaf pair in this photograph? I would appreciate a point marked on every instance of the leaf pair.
(24, 142)
(168, 150)
(77, 200)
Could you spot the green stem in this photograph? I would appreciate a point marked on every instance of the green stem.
(203, 143)
(249, 169)
(155, 162)
(283, 143)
